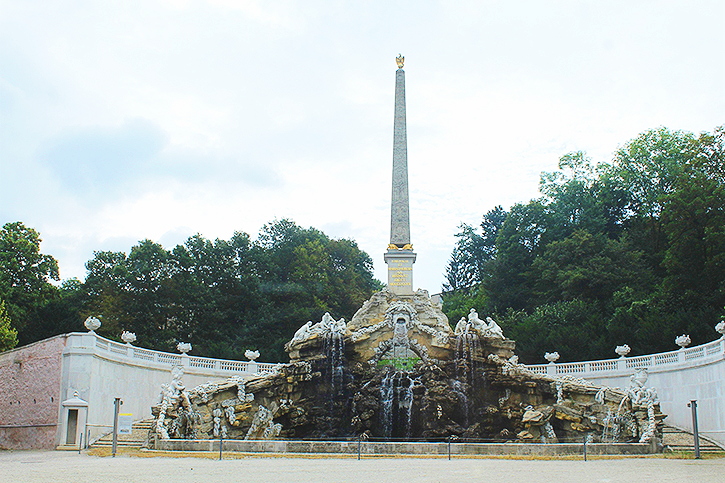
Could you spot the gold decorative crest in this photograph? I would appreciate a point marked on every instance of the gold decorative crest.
(400, 60)
(393, 246)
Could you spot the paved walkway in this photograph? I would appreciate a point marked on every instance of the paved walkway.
(58, 466)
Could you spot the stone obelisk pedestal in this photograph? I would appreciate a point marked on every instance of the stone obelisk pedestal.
(400, 271)
(400, 256)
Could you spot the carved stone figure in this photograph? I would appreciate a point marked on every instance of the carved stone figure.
(263, 425)
(328, 325)
(476, 322)
(219, 428)
(302, 333)
(493, 329)
(461, 326)
(173, 396)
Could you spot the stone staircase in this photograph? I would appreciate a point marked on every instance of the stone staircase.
(137, 438)
(678, 439)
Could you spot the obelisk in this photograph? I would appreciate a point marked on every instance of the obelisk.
(400, 256)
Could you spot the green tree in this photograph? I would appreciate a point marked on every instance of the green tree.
(640, 242)
(8, 335)
(650, 166)
(305, 274)
(218, 296)
(524, 232)
(225, 296)
(589, 267)
(572, 328)
(64, 312)
(470, 262)
(25, 276)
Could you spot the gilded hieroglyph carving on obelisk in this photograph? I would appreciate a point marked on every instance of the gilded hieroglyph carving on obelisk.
(400, 256)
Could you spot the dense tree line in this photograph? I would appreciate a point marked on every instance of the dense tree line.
(631, 251)
(223, 296)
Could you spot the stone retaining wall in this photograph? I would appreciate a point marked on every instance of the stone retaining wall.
(378, 448)
(30, 394)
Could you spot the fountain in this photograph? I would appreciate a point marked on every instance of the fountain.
(397, 370)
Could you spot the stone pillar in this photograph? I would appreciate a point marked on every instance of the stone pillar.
(400, 209)
(400, 256)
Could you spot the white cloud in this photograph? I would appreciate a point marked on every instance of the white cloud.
(256, 110)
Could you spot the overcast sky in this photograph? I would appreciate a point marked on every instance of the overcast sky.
(121, 121)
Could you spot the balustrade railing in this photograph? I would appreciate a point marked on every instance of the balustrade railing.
(126, 351)
(691, 356)
(701, 354)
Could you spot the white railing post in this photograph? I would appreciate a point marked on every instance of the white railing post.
(551, 369)
(622, 364)
(185, 360)
(88, 339)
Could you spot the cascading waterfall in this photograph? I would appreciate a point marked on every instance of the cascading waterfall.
(461, 391)
(396, 397)
(335, 352)
(467, 344)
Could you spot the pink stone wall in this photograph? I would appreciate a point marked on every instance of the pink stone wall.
(30, 380)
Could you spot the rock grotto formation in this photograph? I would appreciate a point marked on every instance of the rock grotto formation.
(397, 370)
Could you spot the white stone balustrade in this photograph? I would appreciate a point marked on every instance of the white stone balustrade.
(689, 357)
(135, 355)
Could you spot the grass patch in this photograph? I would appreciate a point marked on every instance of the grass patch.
(399, 363)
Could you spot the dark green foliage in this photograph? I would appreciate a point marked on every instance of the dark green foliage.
(62, 313)
(473, 254)
(228, 296)
(628, 252)
(223, 296)
(8, 335)
(457, 303)
(25, 276)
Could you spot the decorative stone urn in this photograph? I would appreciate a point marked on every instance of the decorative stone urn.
(183, 347)
(92, 324)
(128, 337)
(683, 341)
(552, 357)
(622, 350)
(251, 355)
(720, 327)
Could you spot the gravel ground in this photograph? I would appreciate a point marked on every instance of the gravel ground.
(60, 466)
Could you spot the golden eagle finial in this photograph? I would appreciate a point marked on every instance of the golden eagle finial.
(400, 60)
